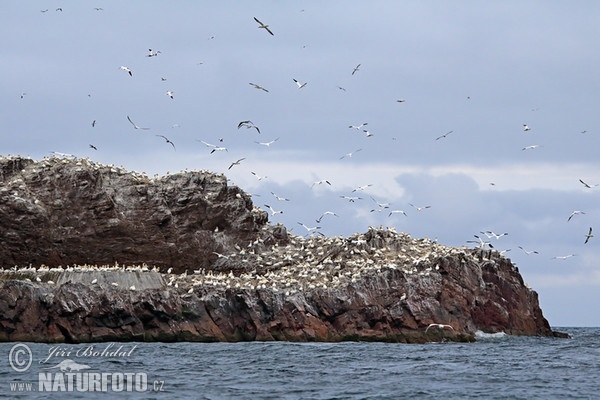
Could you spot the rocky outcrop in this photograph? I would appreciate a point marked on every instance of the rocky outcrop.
(63, 211)
(202, 264)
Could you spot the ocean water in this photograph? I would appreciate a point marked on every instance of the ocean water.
(495, 367)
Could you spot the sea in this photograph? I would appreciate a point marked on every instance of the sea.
(496, 366)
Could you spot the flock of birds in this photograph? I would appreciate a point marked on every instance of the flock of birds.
(358, 194)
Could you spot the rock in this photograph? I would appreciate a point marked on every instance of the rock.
(91, 240)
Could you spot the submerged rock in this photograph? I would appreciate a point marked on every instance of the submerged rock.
(214, 270)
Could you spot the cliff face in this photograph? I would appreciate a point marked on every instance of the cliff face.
(63, 211)
(265, 285)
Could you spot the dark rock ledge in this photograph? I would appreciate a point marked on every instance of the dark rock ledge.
(95, 253)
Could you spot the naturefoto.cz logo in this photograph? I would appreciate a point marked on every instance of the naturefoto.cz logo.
(68, 375)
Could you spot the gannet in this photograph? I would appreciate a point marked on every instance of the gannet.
(576, 212)
(258, 87)
(300, 85)
(168, 141)
(126, 69)
(355, 69)
(263, 26)
(134, 125)
(236, 163)
(588, 236)
(443, 136)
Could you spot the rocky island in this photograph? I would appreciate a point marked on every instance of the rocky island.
(95, 253)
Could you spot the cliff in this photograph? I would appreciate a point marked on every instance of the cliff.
(103, 254)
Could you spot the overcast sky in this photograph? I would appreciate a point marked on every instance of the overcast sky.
(480, 70)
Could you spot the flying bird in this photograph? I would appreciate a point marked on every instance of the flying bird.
(438, 326)
(126, 69)
(248, 125)
(263, 26)
(349, 155)
(588, 236)
(397, 212)
(358, 127)
(153, 53)
(93, 147)
(168, 141)
(588, 185)
(351, 199)
(576, 212)
(213, 147)
(528, 252)
(134, 125)
(318, 220)
(355, 69)
(526, 128)
(309, 229)
(563, 257)
(170, 93)
(236, 162)
(273, 212)
(443, 136)
(93, 123)
(258, 176)
(367, 133)
(267, 144)
(534, 146)
(258, 87)
(491, 234)
(279, 198)
(419, 208)
(321, 182)
(300, 85)
(360, 188)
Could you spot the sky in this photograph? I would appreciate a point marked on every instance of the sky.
(444, 90)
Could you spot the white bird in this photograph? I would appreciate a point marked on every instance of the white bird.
(491, 234)
(438, 326)
(258, 176)
(419, 208)
(236, 162)
(300, 85)
(358, 127)
(355, 69)
(191, 290)
(321, 182)
(349, 155)
(273, 212)
(263, 26)
(528, 252)
(248, 125)
(132, 287)
(318, 220)
(168, 141)
(219, 255)
(153, 53)
(361, 188)
(309, 229)
(576, 212)
(443, 136)
(259, 87)
(126, 69)
(267, 144)
(534, 146)
(94, 281)
(214, 147)
(481, 242)
(279, 198)
(367, 133)
(526, 128)
(134, 125)
(397, 212)
(588, 236)
(563, 257)
(351, 199)
(170, 94)
(588, 185)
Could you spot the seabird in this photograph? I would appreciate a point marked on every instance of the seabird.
(153, 53)
(397, 212)
(576, 212)
(367, 133)
(419, 208)
(258, 176)
(360, 188)
(528, 252)
(279, 198)
(481, 242)
(258, 87)
(263, 26)
(349, 155)
(273, 212)
(236, 162)
(438, 326)
(300, 85)
(526, 128)
(98, 9)
(341, 88)
(168, 141)
(355, 69)
(23, 94)
(358, 127)
(563, 257)
(93, 123)
(534, 146)
(126, 69)
(318, 220)
(309, 229)
(588, 236)
(267, 144)
(443, 136)
(219, 255)
(170, 93)
(248, 125)
(214, 147)
(134, 125)
(351, 199)
(321, 182)
(400, 101)
(93, 147)
(588, 185)
(491, 234)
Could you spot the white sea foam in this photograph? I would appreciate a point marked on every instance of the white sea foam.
(484, 335)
